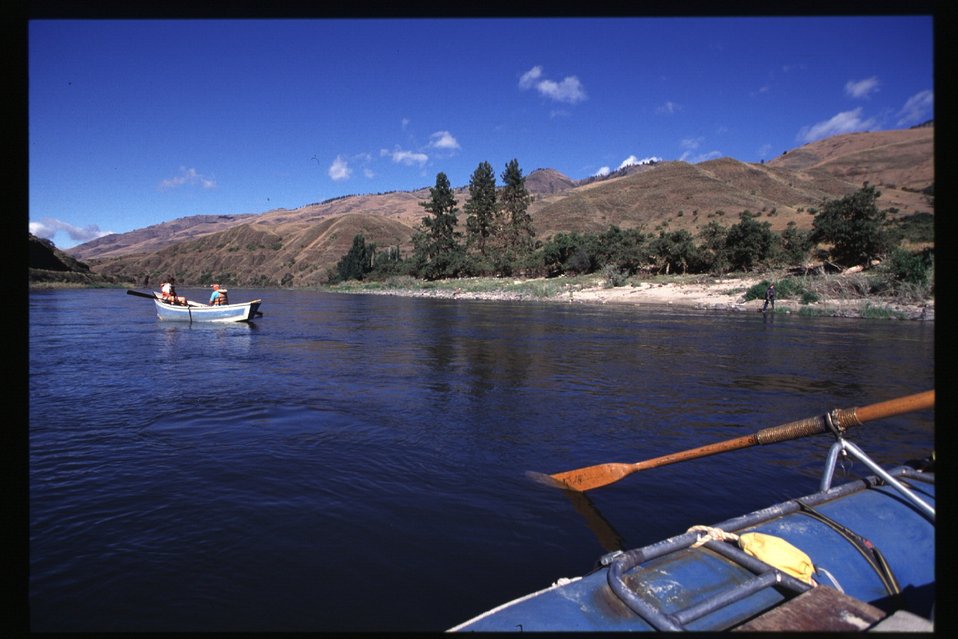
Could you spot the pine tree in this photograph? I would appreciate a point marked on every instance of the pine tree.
(437, 241)
(481, 206)
(358, 261)
(515, 200)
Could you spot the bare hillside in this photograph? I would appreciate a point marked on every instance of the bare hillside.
(297, 247)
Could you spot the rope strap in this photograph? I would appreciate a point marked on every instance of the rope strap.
(711, 534)
(774, 551)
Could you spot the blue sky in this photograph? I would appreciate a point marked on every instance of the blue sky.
(137, 122)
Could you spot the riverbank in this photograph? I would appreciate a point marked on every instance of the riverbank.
(701, 293)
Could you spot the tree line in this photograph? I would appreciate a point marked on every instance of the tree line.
(499, 239)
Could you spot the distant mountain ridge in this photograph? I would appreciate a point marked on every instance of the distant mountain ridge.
(157, 236)
(296, 247)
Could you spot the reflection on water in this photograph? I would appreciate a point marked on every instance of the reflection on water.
(609, 538)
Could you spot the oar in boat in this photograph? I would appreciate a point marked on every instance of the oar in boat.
(154, 297)
(150, 296)
(583, 479)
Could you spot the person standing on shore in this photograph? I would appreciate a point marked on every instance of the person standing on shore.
(769, 297)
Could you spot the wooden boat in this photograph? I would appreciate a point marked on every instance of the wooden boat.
(864, 560)
(196, 312)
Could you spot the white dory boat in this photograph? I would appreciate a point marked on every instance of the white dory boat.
(196, 312)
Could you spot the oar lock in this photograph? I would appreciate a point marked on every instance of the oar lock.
(840, 419)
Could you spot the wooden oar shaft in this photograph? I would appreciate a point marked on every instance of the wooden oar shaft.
(695, 453)
(583, 479)
(907, 404)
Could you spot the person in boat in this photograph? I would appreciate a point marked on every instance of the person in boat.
(218, 296)
(769, 297)
(168, 293)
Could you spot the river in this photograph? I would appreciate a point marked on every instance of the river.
(358, 462)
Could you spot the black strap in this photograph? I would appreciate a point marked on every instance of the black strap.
(869, 551)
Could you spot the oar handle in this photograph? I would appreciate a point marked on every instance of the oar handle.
(844, 418)
(149, 296)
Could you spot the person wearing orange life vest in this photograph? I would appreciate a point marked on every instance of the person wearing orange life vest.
(218, 296)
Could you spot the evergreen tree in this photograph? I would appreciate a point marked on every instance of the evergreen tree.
(515, 200)
(436, 243)
(357, 262)
(481, 206)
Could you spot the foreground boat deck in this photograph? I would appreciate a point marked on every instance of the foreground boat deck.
(873, 552)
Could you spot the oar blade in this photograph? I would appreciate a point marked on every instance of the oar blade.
(583, 479)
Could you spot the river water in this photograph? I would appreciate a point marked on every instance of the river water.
(358, 462)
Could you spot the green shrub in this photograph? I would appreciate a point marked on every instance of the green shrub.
(786, 288)
(911, 268)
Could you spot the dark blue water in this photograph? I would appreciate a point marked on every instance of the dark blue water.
(358, 462)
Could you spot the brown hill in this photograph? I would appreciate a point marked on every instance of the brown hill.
(548, 181)
(157, 236)
(297, 247)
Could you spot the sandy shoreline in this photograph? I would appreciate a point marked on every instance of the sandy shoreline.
(717, 295)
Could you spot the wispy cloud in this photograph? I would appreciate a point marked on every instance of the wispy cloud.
(188, 177)
(693, 158)
(844, 122)
(339, 170)
(691, 146)
(49, 226)
(668, 108)
(917, 109)
(568, 90)
(861, 88)
(443, 140)
(407, 158)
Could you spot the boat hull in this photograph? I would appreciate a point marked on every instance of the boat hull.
(226, 313)
(672, 586)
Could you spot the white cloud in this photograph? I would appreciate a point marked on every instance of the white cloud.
(409, 158)
(339, 170)
(568, 90)
(917, 109)
(190, 177)
(604, 171)
(844, 122)
(443, 140)
(632, 160)
(528, 79)
(691, 143)
(691, 158)
(861, 88)
(668, 108)
(48, 227)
